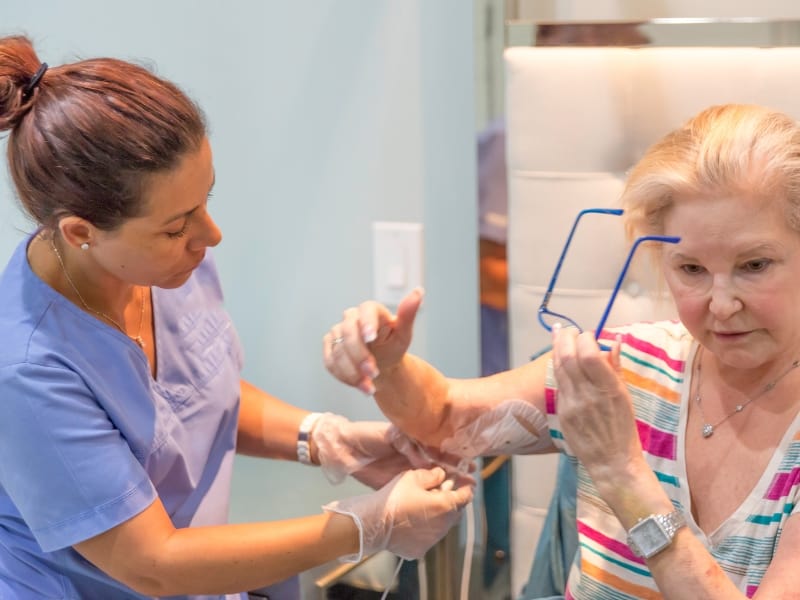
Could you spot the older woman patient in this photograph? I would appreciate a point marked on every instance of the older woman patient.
(686, 433)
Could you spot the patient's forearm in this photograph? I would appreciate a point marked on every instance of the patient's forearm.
(437, 410)
(414, 396)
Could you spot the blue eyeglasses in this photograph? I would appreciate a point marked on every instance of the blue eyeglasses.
(546, 314)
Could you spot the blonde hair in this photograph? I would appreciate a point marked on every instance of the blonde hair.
(726, 149)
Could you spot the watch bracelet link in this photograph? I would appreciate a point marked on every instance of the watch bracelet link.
(674, 521)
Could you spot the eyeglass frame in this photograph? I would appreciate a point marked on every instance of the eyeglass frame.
(543, 307)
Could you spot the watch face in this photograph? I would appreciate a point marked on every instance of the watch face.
(649, 537)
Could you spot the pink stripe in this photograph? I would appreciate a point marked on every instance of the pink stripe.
(610, 543)
(782, 484)
(656, 442)
(647, 348)
(751, 590)
(550, 400)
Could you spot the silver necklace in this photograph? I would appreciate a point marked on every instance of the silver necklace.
(136, 338)
(709, 428)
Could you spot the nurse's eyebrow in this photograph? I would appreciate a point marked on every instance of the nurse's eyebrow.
(188, 213)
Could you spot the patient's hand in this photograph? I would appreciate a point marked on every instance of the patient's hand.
(370, 339)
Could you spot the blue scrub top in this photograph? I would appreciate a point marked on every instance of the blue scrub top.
(88, 438)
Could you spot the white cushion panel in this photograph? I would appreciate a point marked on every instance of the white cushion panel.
(526, 336)
(533, 479)
(673, 84)
(540, 218)
(776, 84)
(566, 109)
(529, 521)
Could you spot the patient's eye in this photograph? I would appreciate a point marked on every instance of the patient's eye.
(692, 269)
(757, 265)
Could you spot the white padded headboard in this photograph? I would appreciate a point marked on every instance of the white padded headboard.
(577, 120)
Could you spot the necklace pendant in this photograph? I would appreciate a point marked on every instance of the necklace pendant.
(138, 339)
(708, 430)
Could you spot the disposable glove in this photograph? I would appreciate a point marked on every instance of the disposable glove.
(512, 427)
(372, 451)
(406, 516)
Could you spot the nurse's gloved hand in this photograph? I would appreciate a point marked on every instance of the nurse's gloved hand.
(407, 516)
(371, 451)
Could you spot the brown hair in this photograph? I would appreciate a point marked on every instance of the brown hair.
(84, 141)
(726, 149)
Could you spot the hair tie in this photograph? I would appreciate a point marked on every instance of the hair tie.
(37, 77)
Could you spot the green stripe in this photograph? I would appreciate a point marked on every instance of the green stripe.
(774, 518)
(670, 479)
(649, 365)
(619, 563)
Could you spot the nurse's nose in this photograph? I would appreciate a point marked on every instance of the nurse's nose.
(209, 235)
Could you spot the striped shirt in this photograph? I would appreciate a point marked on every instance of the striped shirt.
(654, 361)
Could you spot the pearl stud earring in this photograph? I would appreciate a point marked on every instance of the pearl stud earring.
(85, 246)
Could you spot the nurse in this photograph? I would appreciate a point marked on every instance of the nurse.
(121, 403)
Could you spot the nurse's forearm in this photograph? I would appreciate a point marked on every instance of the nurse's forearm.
(232, 558)
(267, 425)
(220, 559)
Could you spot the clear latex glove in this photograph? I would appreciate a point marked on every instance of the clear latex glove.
(372, 451)
(512, 427)
(406, 516)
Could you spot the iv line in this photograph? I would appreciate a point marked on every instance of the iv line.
(465, 571)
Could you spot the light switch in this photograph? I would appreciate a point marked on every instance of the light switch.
(397, 253)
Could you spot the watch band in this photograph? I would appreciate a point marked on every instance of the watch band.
(672, 522)
(303, 435)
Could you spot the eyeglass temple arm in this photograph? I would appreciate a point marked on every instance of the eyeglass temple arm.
(602, 211)
(620, 279)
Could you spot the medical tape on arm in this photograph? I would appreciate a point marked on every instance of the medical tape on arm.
(512, 427)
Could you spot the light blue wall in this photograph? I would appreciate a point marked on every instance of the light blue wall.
(325, 115)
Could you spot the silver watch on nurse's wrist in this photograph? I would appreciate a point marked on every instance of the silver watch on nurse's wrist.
(653, 534)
